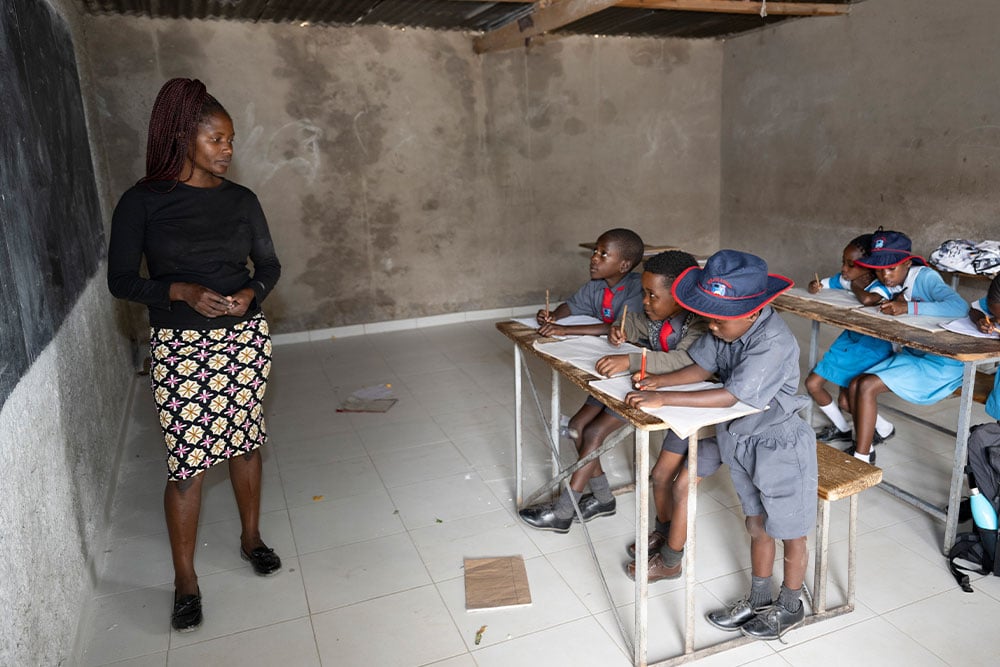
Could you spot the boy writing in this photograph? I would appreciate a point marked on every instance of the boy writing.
(612, 285)
(667, 330)
(771, 454)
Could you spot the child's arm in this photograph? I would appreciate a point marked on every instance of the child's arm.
(930, 296)
(553, 329)
(708, 398)
(660, 362)
(868, 290)
(553, 315)
(687, 375)
(980, 318)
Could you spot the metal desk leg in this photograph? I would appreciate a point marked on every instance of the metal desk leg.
(822, 555)
(813, 358)
(518, 435)
(961, 449)
(641, 544)
(554, 411)
(852, 552)
(692, 510)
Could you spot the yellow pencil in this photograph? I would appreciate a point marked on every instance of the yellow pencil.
(546, 304)
(624, 313)
(817, 278)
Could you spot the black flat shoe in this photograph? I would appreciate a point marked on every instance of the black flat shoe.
(591, 507)
(263, 560)
(187, 612)
(544, 517)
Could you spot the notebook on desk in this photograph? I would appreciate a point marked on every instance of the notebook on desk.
(846, 299)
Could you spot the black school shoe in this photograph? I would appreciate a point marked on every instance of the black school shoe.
(543, 517)
(871, 452)
(591, 507)
(833, 434)
(878, 439)
(773, 622)
(187, 612)
(263, 560)
(735, 615)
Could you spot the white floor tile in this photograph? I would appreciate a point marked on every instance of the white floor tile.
(582, 643)
(418, 464)
(437, 500)
(361, 571)
(129, 625)
(307, 483)
(288, 643)
(400, 630)
(334, 523)
(875, 642)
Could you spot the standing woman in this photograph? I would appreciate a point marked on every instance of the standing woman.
(209, 341)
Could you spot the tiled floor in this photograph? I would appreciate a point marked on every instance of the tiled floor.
(373, 514)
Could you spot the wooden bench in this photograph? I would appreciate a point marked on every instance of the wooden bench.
(840, 476)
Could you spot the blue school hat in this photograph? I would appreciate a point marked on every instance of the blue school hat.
(889, 249)
(733, 284)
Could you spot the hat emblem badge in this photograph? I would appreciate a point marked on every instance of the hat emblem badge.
(718, 289)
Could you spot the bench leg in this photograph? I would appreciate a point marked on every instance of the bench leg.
(822, 554)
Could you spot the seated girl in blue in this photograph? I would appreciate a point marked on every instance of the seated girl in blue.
(852, 353)
(985, 314)
(913, 375)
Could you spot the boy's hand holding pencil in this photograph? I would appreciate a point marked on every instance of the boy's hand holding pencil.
(815, 286)
(616, 335)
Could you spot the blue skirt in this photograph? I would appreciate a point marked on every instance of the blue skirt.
(919, 377)
(851, 355)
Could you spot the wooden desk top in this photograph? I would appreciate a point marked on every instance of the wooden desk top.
(841, 475)
(942, 343)
(525, 337)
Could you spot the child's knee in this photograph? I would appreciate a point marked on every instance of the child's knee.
(755, 526)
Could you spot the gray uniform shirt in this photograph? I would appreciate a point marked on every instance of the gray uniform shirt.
(589, 299)
(760, 368)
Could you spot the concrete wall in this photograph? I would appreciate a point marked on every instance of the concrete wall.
(59, 436)
(833, 126)
(404, 176)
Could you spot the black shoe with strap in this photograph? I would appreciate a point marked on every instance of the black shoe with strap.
(187, 612)
(263, 560)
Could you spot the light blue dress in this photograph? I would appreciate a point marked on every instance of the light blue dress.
(913, 375)
(993, 402)
(852, 353)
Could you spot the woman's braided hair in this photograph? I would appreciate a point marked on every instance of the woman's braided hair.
(173, 125)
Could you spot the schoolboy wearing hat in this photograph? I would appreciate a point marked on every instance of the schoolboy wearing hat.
(913, 375)
(771, 454)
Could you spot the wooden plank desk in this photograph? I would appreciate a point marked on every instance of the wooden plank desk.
(845, 484)
(972, 352)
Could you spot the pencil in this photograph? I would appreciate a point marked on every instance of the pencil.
(624, 313)
(817, 278)
(546, 304)
(642, 366)
(988, 323)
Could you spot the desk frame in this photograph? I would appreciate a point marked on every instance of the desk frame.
(523, 338)
(972, 352)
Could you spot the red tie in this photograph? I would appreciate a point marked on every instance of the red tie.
(607, 312)
(665, 332)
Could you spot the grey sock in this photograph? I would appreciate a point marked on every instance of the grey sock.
(760, 591)
(564, 506)
(662, 528)
(670, 557)
(790, 599)
(602, 490)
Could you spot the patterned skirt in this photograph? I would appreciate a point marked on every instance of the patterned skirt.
(208, 387)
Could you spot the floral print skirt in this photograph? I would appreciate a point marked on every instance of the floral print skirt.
(208, 386)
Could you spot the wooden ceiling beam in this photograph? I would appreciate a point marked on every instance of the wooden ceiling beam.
(546, 15)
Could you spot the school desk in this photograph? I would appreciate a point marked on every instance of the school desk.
(840, 477)
(973, 352)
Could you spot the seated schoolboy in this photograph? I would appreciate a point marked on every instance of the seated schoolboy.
(667, 330)
(612, 285)
(852, 353)
(771, 454)
(913, 375)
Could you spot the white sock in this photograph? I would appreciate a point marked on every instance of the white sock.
(867, 458)
(833, 413)
(883, 426)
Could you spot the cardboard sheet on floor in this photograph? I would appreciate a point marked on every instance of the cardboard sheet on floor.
(494, 583)
(378, 398)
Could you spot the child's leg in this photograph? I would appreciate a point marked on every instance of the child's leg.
(796, 560)
(743, 611)
(668, 464)
(592, 437)
(865, 390)
(816, 386)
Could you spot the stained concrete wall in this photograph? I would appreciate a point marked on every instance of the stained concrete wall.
(833, 126)
(59, 440)
(404, 176)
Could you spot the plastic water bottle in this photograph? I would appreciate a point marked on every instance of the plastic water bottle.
(983, 514)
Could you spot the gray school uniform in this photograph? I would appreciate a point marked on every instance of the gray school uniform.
(772, 454)
(589, 299)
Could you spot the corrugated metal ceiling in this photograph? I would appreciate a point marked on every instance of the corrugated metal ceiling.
(469, 15)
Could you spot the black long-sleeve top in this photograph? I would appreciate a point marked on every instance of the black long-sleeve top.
(191, 235)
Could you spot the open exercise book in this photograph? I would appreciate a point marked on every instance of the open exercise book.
(966, 327)
(682, 421)
(846, 299)
(571, 321)
(584, 352)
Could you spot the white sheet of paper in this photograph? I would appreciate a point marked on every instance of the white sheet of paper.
(965, 326)
(682, 421)
(583, 352)
(845, 299)
(571, 321)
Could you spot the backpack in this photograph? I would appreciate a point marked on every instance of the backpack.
(979, 547)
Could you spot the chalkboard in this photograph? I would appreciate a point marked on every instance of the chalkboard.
(51, 235)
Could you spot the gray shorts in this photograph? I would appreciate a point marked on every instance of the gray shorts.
(709, 458)
(775, 474)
